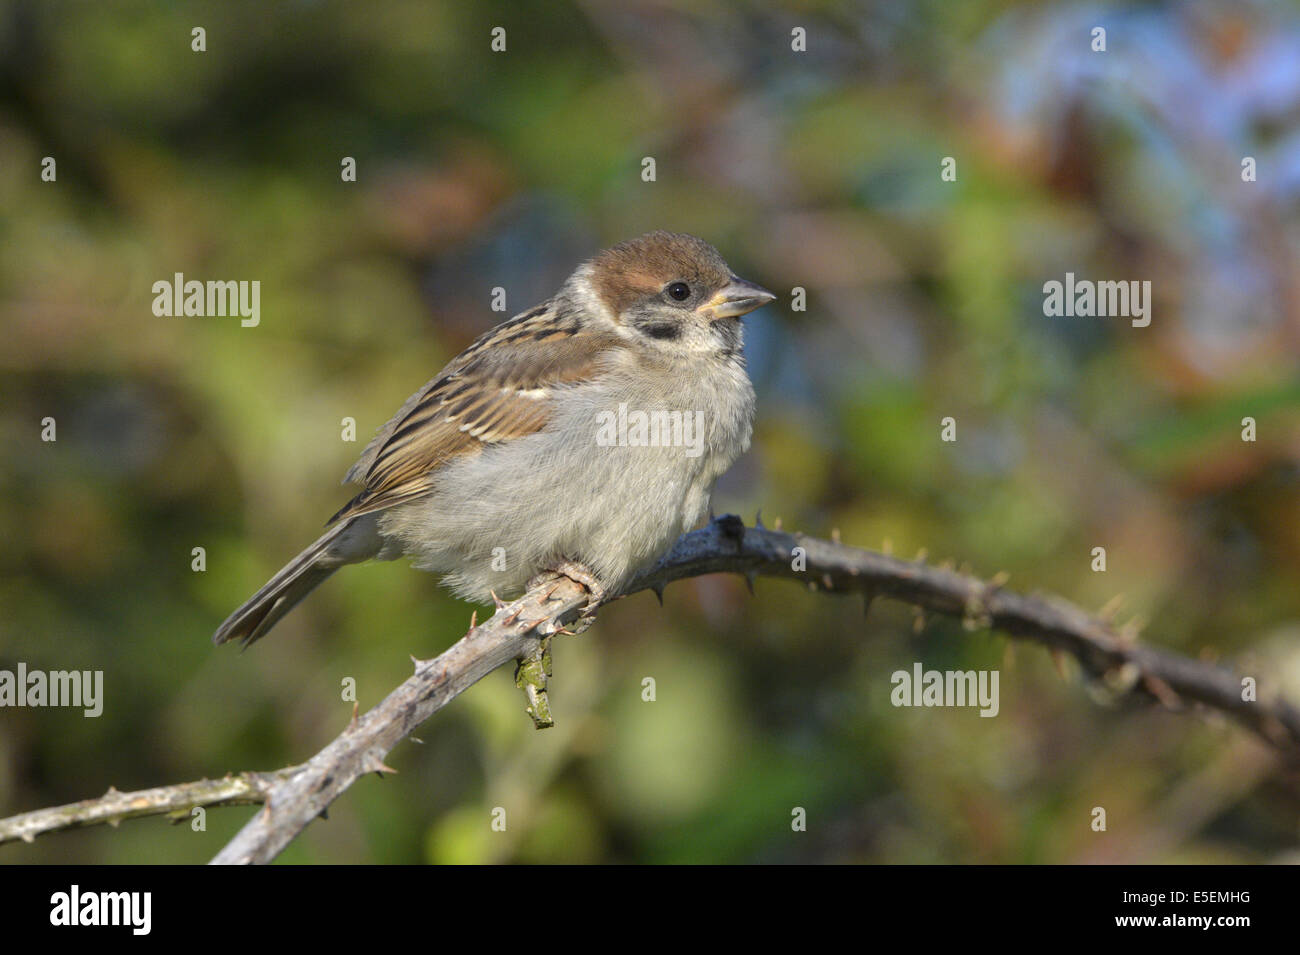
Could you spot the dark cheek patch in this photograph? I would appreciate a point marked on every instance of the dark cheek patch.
(665, 331)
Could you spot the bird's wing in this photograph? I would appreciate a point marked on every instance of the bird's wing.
(500, 388)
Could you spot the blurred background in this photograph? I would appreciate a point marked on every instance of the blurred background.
(818, 170)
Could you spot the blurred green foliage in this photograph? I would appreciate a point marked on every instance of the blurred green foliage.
(818, 170)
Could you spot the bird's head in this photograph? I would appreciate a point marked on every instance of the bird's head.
(673, 291)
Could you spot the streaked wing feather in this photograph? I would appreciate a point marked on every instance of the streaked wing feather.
(498, 389)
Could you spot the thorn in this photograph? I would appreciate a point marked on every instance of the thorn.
(512, 618)
(1161, 690)
(473, 619)
(1060, 660)
(827, 582)
(835, 535)
(355, 709)
(749, 576)
(497, 600)
(776, 524)
(416, 739)
(999, 580)
(114, 821)
(552, 590)
(758, 519)
(868, 597)
(659, 592)
(1107, 613)
(29, 838)
(111, 791)
(1130, 631)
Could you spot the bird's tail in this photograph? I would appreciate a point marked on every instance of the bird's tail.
(282, 592)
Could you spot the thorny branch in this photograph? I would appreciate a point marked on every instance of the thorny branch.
(522, 630)
(178, 802)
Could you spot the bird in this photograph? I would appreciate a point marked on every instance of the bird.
(582, 437)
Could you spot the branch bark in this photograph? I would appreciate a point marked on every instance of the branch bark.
(510, 634)
(178, 801)
(293, 797)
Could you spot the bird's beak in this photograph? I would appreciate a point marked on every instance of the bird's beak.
(735, 299)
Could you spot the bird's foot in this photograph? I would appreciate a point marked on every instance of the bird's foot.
(578, 574)
(584, 578)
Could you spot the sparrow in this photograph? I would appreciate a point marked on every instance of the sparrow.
(518, 458)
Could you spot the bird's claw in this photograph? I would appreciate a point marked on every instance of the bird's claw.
(584, 578)
(578, 574)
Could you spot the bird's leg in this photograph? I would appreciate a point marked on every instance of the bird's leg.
(533, 669)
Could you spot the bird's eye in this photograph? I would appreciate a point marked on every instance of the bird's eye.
(680, 291)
